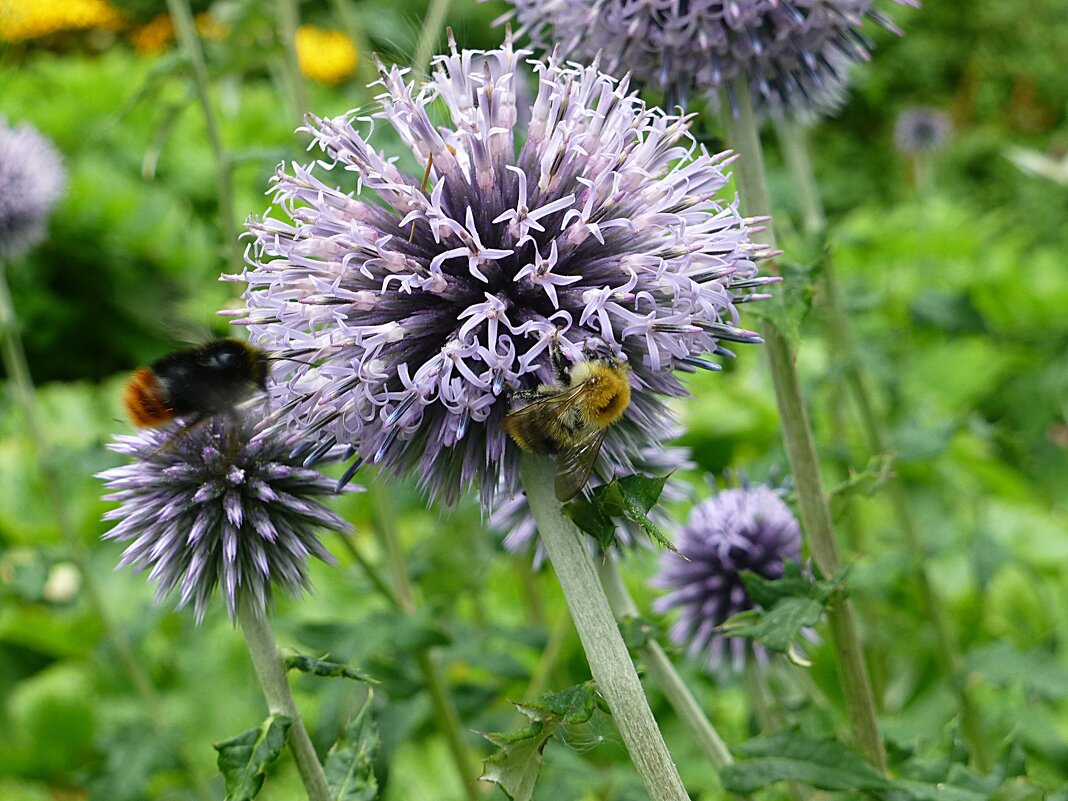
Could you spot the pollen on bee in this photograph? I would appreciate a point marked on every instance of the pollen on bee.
(607, 393)
(143, 400)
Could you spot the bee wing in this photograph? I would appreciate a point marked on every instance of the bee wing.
(537, 425)
(573, 466)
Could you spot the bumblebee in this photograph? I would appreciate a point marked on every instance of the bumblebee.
(570, 418)
(195, 382)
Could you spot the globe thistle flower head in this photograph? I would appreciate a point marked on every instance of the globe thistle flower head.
(512, 517)
(792, 54)
(921, 130)
(741, 529)
(212, 506)
(32, 179)
(425, 303)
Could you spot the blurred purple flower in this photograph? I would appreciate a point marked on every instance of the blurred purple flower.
(921, 130)
(794, 54)
(32, 179)
(597, 226)
(211, 505)
(744, 529)
(513, 519)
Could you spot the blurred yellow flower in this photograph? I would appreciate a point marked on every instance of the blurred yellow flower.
(158, 33)
(324, 55)
(28, 19)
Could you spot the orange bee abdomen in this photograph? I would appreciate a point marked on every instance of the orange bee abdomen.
(144, 400)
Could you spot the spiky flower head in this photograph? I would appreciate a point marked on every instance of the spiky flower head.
(740, 529)
(512, 517)
(921, 129)
(792, 54)
(212, 505)
(597, 230)
(31, 181)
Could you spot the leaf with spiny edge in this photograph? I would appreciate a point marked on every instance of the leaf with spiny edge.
(322, 667)
(244, 758)
(350, 763)
(630, 498)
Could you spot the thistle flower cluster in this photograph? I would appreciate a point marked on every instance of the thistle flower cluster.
(743, 529)
(792, 54)
(32, 179)
(921, 129)
(212, 506)
(596, 229)
(513, 519)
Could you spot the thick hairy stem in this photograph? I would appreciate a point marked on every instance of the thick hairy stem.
(743, 136)
(270, 670)
(610, 662)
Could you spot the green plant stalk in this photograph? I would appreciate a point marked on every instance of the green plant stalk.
(288, 17)
(742, 135)
(610, 662)
(369, 569)
(270, 670)
(798, 159)
(663, 672)
(448, 717)
(186, 33)
(428, 36)
(18, 373)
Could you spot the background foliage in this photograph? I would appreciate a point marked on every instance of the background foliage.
(958, 291)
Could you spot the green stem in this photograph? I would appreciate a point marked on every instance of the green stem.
(288, 18)
(270, 670)
(797, 153)
(663, 673)
(186, 32)
(429, 35)
(18, 373)
(742, 134)
(610, 662)
(448, 717)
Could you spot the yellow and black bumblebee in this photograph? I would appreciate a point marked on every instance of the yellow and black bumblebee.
(570, 418)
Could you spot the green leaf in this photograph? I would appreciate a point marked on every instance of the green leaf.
(786, 606)
(791, 300)
(866, 482)
(243, 759)
(638, 631)
(515, 767)
(322, 667)
(630, 498)
(790, 756)
(350, 763)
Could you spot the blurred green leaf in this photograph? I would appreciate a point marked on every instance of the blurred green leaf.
(244, 758)
(350, 763)
(791, 756)
(322, 667)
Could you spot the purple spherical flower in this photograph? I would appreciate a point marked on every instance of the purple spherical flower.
(512, 517)
(596, 229)
(212, 505)
(31, 181)
(744, 529)
(921, 130)
(793, 54)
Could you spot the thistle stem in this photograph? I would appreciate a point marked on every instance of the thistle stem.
(270, 670)
(186, 33)
(428, 36)
(288, 16)
(664, 674)
(448, 716)
(797, 153)
(18, 374)
(742, 134)
(610, 662)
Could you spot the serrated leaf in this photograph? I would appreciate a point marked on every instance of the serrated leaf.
(876, 473)
(322, 667)
(791, 300)
(630, 498)
(350, 763)
(589, 517)
(515, 767)
(791, 756)
(243, 759)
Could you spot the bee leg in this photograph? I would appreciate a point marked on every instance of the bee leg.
(561, 366)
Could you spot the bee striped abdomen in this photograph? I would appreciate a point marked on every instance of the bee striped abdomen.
(144, 401)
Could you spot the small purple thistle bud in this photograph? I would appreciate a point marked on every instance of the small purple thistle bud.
(921, 130)
(587, 220)
(214, 505)
(793, 54)
(32, 179)
(744, 529)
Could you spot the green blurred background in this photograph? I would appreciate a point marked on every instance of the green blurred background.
(959, 294)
